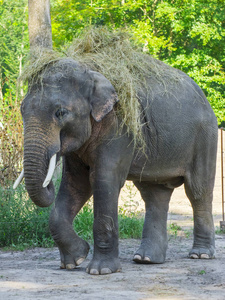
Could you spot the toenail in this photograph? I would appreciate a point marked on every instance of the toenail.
(94, 272)
(105, 271)
(79, 261)
(70, 266)
(204, 256)
(62, 266)
(194, 256)
(147, 259)
(137, 257)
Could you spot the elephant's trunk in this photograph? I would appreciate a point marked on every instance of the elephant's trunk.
(37, 154)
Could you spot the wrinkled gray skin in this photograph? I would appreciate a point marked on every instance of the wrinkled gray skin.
(72, 113)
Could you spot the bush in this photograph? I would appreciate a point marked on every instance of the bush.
(22, 222)
(83, 223)
(130, 226)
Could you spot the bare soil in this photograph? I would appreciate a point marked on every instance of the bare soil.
(35, 273)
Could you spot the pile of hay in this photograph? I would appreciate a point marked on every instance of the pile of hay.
(37, 61)
(114, 55)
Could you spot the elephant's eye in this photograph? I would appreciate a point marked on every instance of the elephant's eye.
(61, 112)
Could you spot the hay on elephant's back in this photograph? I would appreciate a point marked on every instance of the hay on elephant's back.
(114, 55)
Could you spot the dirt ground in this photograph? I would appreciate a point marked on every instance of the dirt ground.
(35, 273)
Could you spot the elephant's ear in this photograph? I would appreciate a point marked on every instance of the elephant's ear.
(103, 96)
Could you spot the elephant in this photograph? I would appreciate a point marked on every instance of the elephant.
(71, 112)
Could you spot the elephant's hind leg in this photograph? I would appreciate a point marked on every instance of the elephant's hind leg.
(154, 238)
(199, 183)
(204, 240)
(201, 197)
(74, 191)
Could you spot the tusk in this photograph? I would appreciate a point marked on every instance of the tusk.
(18, 180)
(51, 170)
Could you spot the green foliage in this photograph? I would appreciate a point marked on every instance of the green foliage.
(13, 44)
(13, 49)
(21, 222)
(208, 73)
(83, 223)
(173, 229)
(130, 226)
(219, 230)
(130, 219)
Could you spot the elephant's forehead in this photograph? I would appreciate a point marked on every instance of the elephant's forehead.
(55, 80)
(63, 81)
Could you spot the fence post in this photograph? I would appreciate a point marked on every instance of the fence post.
(222, 223)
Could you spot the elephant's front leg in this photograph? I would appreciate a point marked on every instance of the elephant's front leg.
(74, 191)
(105, 258)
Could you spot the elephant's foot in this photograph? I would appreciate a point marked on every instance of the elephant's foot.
(202, 253)
(103, 266)
(73, 255)
(150, 254)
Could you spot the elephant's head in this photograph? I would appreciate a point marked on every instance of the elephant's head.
(57, 114)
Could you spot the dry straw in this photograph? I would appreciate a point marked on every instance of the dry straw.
(113, 54)
(37, 61)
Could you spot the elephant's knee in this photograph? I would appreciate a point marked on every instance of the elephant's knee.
(105, 234)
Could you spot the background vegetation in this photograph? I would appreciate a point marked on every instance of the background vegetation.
(187, 34)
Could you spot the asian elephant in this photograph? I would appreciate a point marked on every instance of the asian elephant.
(72, 112)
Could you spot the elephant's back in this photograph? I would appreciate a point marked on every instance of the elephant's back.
(172, 98)
(176, 115)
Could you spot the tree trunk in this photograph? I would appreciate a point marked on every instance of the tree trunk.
(40, 31)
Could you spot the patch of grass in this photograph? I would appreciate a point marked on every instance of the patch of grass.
(188, 233)
(21, 222)
(130, 220)
(83, 223)
(173, 229)
(202, 272)
(218, 230)
(130, 226)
